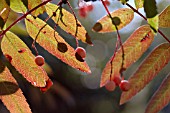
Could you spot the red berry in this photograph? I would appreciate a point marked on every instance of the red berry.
(81, 51)
(124, 85)
(117, 80)
(83, 12)
(110, 86)
(107, 2)
(49, 83)
(39, 60)
(90, 7)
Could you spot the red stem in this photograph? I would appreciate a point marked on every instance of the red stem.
(136, 11)
(22, 17)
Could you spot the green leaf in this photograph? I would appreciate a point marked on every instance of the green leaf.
(154, 23)
(67, 22)
(148, 69)
(105, 24)
(18, 6)
(164, 17)
(22, 59)
(150, 8)
(134, 47)
(34, 3)
(161, 97)
(4, 12)
(53, 43)
(11, 95)
(139, 3)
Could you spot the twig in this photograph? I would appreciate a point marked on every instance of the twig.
(136, 11)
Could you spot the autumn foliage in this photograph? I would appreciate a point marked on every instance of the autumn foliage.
(30, 66)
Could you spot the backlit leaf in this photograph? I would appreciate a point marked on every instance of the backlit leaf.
(150, 8)
(22, 59)
(164, 17)
(11, 95)
(67, 22)
(34, 3)
(57, 47)
(161, 98)
(105, 23)
(18, 6)
(152, 65)
(139, 3)
(134, 47)
(154, 23)
(4, 12)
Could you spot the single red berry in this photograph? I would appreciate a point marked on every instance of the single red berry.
(90, 7)
(124, 85)
(49, 83)
(39, 60)
(107, 2)
(117, 80)
(110, 86)
(83, 12)
(81, 51)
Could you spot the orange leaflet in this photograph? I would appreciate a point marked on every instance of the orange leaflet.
(12, 46)
(152, 65)
(164, 18)
(53, 43)
(134, 47)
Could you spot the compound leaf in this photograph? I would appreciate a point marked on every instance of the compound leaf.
(11, 95)
(152, 65)
(139, 3)
(67, 22)
(164, 17)
(49, 39)
(134, 47)
(34, 3)
(161, 97)
(22, 59)
(105, 23)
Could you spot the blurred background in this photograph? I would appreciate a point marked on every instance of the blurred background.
(77, 92)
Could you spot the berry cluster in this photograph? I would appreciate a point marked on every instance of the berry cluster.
(117, 81)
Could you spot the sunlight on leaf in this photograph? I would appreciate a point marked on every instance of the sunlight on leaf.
(11, 46)
(4, 12)
(34, 3)
(139, 3)
(18, 6)
(134, 47)
(67, 22)
(164, 17)
(154, 23)
(57, 47)
(11, 95)
(148, 69)
(161, 97)
(105, 23)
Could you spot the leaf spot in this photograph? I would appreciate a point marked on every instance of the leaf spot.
(78, 57)
(8, 57)
(62, 47)
(21, 51)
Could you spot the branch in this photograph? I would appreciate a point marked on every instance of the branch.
(136, 11)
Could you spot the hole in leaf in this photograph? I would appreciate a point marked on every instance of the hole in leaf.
(116, 21)
(97, 27)
(8, 57)
(54, 14)
(21, 51)
(62, 47)
(49, 83)
(88, 39)
(78, 57)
